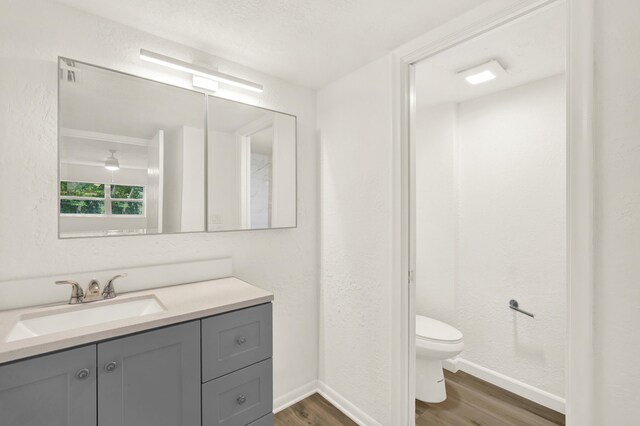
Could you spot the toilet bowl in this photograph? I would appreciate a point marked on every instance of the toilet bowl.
(435, 341)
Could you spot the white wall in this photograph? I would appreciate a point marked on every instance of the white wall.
(172, 176)
(354, 122)
(617, 293)
(193, 178)
(32, 35)
(436, 211)
(224, 180)
(508, 176)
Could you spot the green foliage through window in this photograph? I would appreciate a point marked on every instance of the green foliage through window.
(127, 192)
(81, 189)
(96, 198)
(81, 206)
(126, 207)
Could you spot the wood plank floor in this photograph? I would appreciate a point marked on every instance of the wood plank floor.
(470, 402)
(474, 402)
(314, 410)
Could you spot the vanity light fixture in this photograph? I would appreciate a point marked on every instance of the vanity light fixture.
(112, 163)
(197, 70)
(483, 72)
(205, 83)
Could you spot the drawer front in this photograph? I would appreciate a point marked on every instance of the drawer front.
(234, 340)
(263, 421)
(240, 397)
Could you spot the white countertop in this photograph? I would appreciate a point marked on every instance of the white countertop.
(182, 303)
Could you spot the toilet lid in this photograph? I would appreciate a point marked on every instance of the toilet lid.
(432, 329)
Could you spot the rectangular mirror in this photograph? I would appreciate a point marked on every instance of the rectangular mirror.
(131, 154)
(251, 167)
(134, 158)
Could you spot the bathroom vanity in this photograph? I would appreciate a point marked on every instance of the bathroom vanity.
(202, 358)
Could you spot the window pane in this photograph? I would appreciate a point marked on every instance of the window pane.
(126, 207)
(81, 207)
(127, 192)
(82, 189)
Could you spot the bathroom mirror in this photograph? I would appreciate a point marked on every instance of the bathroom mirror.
(134, 158)
(251, 167)
(131, 154)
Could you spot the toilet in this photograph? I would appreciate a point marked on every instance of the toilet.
(435, 341)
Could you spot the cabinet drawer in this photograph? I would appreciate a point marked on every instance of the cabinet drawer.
(238, 398)
(234, 340)
(263, 421)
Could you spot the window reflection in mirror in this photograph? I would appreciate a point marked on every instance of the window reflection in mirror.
(131, 154)
(251, 167)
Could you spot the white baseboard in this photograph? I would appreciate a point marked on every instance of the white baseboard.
(337, 400)
(296, 395)
(344, 405)
(522, 389)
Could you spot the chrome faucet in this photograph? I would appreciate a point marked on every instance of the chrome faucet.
(109, 291)
(93, 291)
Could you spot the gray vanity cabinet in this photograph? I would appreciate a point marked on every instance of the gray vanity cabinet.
(52, 390)
(213, 372)
(151, 378)
(237, 370)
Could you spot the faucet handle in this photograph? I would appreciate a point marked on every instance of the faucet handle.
(109, 291)
(77, 295)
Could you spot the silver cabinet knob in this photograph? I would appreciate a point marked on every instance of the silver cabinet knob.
(241, 340)
(83, 374)
(110, 367)
(241, 399)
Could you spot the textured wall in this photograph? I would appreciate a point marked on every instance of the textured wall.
(490, 208)
(436, 211)
(512, 231)
(32, 35)
(617, 296)
(354, 121)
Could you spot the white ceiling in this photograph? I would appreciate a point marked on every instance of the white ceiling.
(94, 153)
(228, 116)
(110, 102)
(306, 42)
(530, 49)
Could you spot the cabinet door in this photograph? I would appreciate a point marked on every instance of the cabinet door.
(151, 379)
(50, 390)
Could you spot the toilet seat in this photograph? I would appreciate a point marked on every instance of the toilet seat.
(432, 330)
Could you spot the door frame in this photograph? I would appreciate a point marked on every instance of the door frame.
(580, 180)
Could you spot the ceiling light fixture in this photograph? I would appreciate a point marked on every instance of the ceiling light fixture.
(483, 72)
(112, 163)
(197, 70)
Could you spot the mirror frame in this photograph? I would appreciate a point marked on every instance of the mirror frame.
(205, 94)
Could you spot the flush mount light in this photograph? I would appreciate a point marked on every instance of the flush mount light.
(483, 73)
(197, 70)
(205, 83)
(112, 163)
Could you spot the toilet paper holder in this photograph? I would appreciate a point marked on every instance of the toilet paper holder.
(513, 304)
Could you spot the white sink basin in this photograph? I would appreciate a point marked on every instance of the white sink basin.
(72, 317)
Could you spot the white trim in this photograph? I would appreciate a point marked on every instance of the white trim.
(103, 137)
(510, 384)
(345, 406)
(296, 395)
(98, 164)
(337, 400)
(580, 214)
(580, 196)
